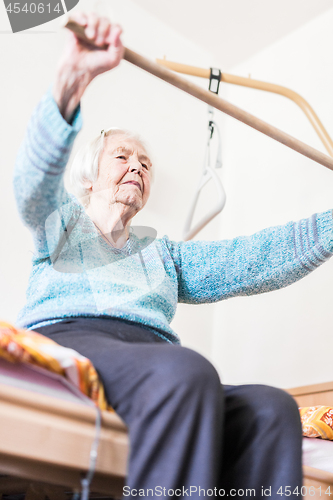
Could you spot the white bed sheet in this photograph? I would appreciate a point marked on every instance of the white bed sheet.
(33, 378)
(318, 453)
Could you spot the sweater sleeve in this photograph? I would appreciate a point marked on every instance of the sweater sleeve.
(268, 260)
(40, 165)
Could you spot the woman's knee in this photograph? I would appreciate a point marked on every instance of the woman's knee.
(187, 367)
(162, 376)
(275, 406)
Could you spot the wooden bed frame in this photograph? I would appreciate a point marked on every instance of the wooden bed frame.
(46, 441)
(45, 445)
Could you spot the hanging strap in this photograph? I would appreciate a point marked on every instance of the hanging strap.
(212, 125)
(208, 172)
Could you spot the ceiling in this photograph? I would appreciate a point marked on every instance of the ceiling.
(233, 30)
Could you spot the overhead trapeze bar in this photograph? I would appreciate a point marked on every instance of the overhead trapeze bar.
(215, 101)
(259, 85)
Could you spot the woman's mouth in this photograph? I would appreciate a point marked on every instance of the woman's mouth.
(134, 184)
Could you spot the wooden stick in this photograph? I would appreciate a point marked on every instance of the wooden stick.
(215, 101)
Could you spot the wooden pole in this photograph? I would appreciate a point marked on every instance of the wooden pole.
(218, 103)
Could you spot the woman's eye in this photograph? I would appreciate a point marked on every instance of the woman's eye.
(121, 157)
(144, 166)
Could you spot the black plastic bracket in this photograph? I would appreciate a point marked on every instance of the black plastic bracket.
(214, 80)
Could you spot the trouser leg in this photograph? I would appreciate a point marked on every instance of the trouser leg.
(175, 436)
(262, 442)
(172, 401)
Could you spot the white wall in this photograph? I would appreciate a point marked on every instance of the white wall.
(173, 124)
(283, 338)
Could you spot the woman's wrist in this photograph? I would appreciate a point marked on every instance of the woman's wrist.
(68, 89)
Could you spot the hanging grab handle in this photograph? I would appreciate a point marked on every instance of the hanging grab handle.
(207, 175)
(189, 233)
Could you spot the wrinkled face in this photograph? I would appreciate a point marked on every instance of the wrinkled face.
(124, 172)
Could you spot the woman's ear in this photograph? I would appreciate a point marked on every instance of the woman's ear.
(87, 184)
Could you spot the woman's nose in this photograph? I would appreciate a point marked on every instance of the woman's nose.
(135, 165)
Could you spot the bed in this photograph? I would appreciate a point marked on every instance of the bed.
(317, 453)
(46, 433)
(48, 427)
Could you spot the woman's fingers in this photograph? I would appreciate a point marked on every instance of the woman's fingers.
(99, 31)
(80, 18)
(92, 26)
(114, 36)
(103, 31)
(116, 48)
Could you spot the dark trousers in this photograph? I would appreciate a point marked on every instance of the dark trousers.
(188, 433)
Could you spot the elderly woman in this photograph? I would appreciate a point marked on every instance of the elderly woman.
(110, 293)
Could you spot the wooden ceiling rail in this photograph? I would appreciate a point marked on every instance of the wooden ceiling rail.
(259, 85)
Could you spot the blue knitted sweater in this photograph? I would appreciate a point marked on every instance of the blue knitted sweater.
(76, 273)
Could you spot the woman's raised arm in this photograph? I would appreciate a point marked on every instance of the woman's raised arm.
(55, 123)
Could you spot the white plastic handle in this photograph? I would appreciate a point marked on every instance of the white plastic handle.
(209, 173)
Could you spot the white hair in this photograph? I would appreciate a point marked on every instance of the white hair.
(86, 161)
